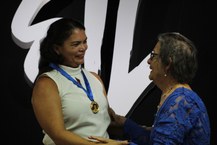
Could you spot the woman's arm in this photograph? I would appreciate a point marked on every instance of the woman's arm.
(130, 129)
(47, 108)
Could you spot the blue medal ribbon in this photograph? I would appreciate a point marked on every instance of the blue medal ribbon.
(64, 73)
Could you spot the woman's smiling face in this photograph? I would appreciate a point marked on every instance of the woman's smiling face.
(157, 70)
(74, 48)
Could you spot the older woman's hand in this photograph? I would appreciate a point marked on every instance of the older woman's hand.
(117, 119)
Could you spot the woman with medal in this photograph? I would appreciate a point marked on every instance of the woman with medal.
(69, 102)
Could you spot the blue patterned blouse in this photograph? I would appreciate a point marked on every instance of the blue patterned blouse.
(181, 120)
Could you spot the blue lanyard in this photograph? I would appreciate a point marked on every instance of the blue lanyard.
(64, 73)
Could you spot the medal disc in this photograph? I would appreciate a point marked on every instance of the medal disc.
(94, 107)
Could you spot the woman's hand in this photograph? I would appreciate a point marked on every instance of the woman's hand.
(117, 119)
(100, 140)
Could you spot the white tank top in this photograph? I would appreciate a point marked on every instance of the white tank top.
(78, 116)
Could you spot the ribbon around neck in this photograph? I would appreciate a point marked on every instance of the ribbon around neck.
(88, 90)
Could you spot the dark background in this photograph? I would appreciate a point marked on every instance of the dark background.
(194, 19)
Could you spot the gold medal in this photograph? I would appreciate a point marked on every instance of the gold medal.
(94, 107)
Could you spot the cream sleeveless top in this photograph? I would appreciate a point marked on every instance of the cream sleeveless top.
(78, 116)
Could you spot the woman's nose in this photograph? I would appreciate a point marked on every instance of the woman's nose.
(83, 47)
(149, 61)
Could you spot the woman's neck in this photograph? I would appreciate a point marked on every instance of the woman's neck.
(169, 89)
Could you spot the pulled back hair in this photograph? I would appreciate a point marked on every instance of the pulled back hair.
(181, 53)
(57, 33)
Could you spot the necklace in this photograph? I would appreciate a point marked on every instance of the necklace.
(163, 97)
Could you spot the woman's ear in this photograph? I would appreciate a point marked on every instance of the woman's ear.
(168, 66)
(56, 49)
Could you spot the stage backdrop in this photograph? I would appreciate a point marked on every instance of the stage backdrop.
(121, 34)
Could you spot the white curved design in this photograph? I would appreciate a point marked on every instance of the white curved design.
(124, 87)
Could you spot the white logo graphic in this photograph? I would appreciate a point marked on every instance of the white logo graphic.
(124, 87)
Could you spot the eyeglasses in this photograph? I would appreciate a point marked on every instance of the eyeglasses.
(152, 55)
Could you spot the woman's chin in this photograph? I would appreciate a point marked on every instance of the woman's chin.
(150, 77)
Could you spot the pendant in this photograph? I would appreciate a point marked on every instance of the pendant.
(94, 107)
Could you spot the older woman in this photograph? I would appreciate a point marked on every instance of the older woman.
(182, 118)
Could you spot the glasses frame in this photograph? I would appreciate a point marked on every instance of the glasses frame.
(152, 55)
